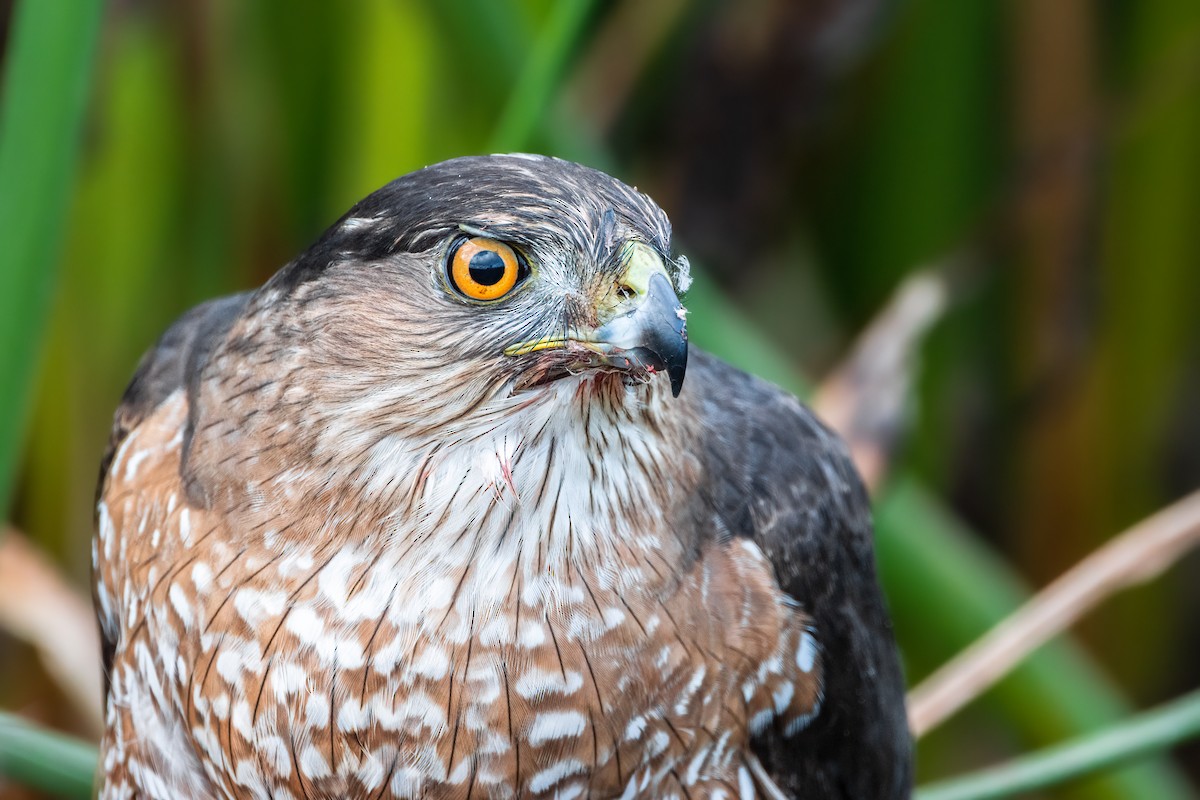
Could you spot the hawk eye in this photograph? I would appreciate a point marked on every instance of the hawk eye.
(484, 269)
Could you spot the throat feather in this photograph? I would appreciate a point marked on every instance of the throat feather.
(573, 483)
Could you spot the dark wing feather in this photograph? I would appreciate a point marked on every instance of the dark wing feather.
(174, 361)
(779, 477)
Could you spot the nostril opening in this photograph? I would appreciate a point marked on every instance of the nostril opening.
(624, 292)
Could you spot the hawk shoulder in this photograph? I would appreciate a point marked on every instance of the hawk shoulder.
(174, 362)
(778, 476)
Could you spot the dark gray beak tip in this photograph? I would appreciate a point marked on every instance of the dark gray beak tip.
(667, 337)
(676, 364)
(675, 373)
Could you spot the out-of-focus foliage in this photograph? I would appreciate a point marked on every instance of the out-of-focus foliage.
(45, 91)
(1138, 736)
(811, 154)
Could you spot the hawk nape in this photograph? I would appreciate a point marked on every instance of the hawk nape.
(428, 515)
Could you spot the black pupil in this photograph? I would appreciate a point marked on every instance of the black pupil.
(486, 267)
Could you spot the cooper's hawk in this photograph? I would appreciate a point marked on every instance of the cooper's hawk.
(427, 515)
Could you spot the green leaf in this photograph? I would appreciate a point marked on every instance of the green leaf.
(1133, 738)
(55, 764)
(46, 84)
(539, 79)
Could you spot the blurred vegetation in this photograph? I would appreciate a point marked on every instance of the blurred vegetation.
(811, 154)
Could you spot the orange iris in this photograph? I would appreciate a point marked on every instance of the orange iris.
(484, 269)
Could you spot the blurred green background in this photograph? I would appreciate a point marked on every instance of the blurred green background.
(811, 153)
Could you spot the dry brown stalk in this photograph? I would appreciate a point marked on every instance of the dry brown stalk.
(38, 606)
(1138, 555)
(864, 398)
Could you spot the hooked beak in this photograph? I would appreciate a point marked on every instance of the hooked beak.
(653, 336)
(647, 334)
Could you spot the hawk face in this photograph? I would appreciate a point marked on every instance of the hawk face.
(461, 287)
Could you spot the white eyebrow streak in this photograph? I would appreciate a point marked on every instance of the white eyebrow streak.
(361, 223)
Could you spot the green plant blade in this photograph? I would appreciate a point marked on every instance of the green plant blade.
(50, 762)
(1133, 738)
(41, 115)
(539, 79)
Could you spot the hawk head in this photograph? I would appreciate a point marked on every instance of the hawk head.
(450, 300)
(516, 270)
